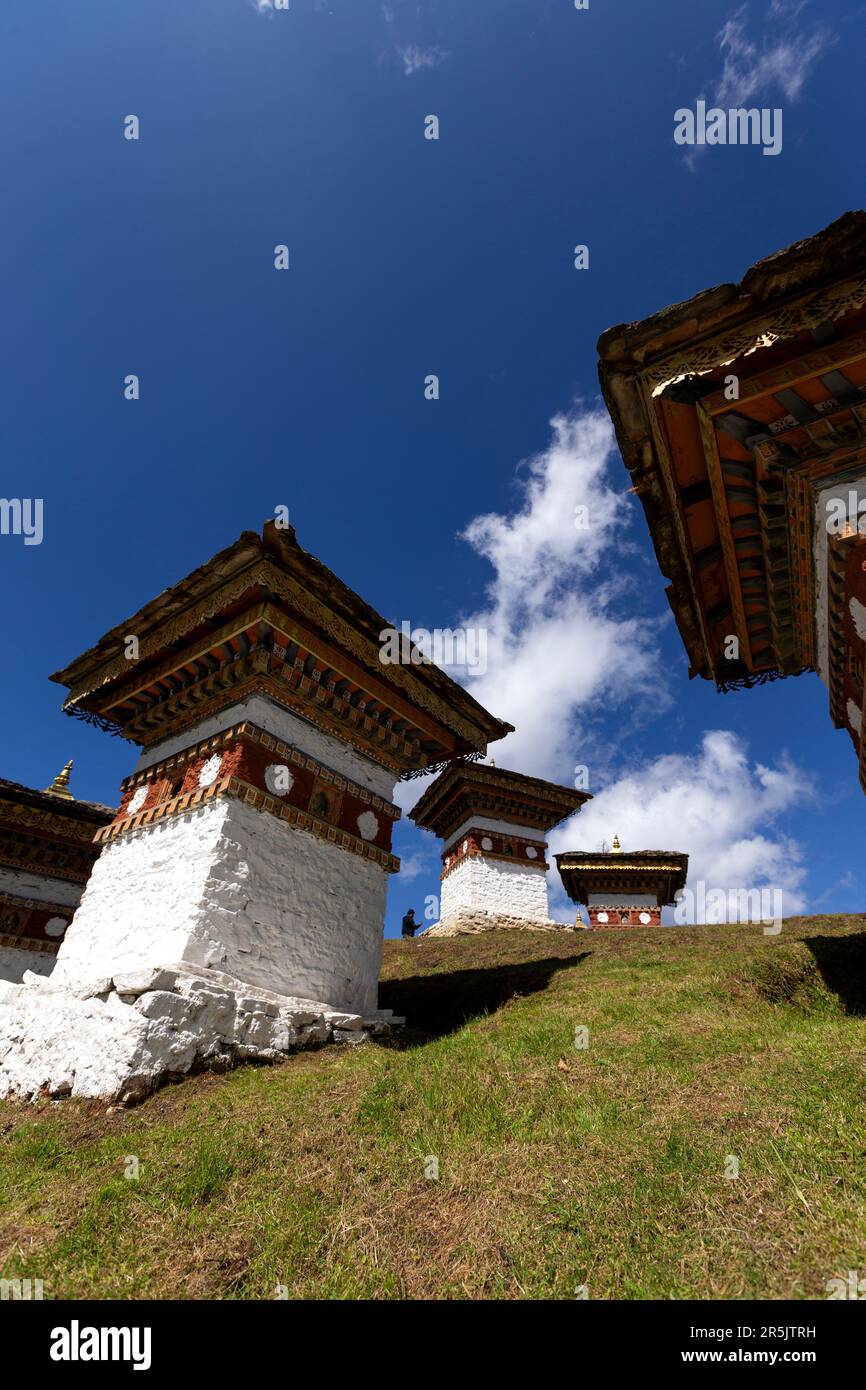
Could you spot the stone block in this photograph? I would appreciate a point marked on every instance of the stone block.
(135, 982)
(161, 1003)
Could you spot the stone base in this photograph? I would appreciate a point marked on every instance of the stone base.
(469, 923)
(120, 1038)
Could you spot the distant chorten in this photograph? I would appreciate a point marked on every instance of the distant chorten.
(622, 889)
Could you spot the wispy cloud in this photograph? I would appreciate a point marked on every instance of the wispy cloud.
(418, 862)
(778, 61)
(846, 881)
(414, 58)
(413, 51)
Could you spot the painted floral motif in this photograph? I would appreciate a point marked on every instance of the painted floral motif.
(368, 825)
(211, 771)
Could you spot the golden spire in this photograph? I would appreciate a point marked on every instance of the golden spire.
(617, 847)
(60, 785)
(492, 763)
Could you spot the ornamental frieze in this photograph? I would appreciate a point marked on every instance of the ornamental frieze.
(15, 815)
(273, 776)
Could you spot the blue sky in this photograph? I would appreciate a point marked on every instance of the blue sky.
(408, 257)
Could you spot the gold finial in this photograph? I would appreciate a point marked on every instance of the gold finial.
(616, 844)
(60, 785)
(492, 763)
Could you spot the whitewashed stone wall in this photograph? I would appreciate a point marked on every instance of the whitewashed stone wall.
(495, 886)
(143, 902)
(234, 889)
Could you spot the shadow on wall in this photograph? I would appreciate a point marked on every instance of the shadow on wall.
(441, 1003)
(842, 963)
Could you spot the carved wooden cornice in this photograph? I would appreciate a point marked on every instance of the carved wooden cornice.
(15, 816)
(449, 704)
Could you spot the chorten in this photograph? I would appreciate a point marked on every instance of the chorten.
(238, 902)
(493, 823)
(623, 889)
(46, 856)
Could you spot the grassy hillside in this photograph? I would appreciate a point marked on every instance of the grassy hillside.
(558, 1167)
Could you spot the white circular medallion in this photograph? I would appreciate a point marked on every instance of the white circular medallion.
(645, 917)
(56, 926)
(531, 852)
(487, 843)
(137, 800)
(368, 825)
(211, 771)
(603, 917)
(278, 779)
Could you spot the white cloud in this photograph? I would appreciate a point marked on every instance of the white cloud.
(714, 805)
(413, 57)
(417, 863)
(562, 636)
(563, 641)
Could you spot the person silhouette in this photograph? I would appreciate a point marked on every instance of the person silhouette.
(410, 926)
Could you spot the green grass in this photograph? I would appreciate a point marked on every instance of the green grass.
(558, 1167)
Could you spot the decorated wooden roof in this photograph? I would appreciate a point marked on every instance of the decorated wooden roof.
(656, 871)
(47, 833)
(464, 790)
(266, 616)
(732, 411)
(68, 810)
